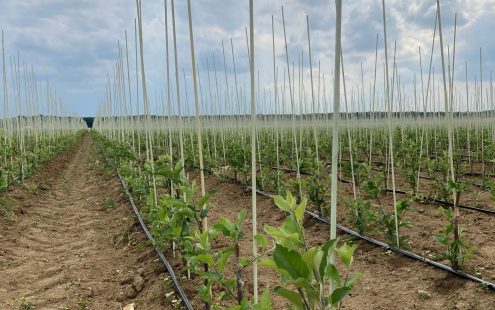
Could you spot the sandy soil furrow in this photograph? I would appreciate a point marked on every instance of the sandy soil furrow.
(61, 252)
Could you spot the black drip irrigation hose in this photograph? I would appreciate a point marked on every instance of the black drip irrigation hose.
(470, 173)
(484, 187)
(162, 258)
(489, 212)
(443, 202)
(377, 242)
(429, 178)
(389, 247)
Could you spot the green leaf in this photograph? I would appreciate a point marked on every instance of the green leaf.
(338, 294)
(441, 239)
(211, 276)
(204, 292)
(401, 206)
(292, 296)
(353, 279)
(291, 225)
(265, 302)
(177, 230)
(291, 261)
(281, 203)
(313, 295)
(206, 198)
(223, 296)
(345, 252)
(244, 262)
(290, 199)
(449, 228)
(283, 237)
(261, 240)
(243, 306)
(301, 283)
(329, 244)
(269, 263)
(299, 211)
(204, 258)
(225, 226)
(318, 258)
(309, 257)
(224, 257)
(175, 202)
(332, 273)
(240, 218)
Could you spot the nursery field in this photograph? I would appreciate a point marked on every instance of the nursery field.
(309, 188)
(389, 276)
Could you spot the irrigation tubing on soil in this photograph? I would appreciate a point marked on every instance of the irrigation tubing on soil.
(388, 247)
(164, 261)
(380, 243)
(489, 212)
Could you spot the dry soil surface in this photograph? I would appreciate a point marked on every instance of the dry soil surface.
(74, 243)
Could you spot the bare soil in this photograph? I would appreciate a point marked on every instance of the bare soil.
(67, 248)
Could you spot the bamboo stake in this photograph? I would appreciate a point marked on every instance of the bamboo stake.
(335, 128)
(388, 99)
(253, 151)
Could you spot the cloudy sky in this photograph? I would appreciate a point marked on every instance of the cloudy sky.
(73, 43)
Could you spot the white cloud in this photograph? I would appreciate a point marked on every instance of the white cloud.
(74, 43)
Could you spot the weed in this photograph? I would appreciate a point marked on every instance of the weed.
(156, 291)
(24, 303)
(6, 209)
(81, 254)
(109, 203)
(66, 289)
(121, 238)
(31, 187)
(44, 186)
(142, 245)
(83, 304)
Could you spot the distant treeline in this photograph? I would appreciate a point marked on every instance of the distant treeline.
(89, 121)
(355, 115)
(43, 118)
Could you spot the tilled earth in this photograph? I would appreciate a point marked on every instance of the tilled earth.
(72, 242)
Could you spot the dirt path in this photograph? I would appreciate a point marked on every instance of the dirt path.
(74, 244)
